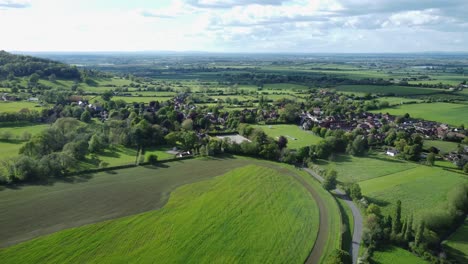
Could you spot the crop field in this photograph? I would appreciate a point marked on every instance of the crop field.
(457, 244)
(17, 106)
(216, 220)
(453, 114)
(393, 255)
(397, 90)
(418, 188)
(296, 136)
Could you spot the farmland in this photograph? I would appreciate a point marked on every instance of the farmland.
(396, 90)
(279, 218)
(453, 114)
(443, 146)
(384, 180)
(17, 106)
(296, 136)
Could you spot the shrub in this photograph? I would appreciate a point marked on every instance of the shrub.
(152, 159)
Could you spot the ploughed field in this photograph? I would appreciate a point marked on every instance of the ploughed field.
(255, 211)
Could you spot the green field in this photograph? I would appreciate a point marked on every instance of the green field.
(355, 169)
(396, 90)
(9, 149)
(20, 105)
(418, 189)
(250, 214)
(138, 99)
(284, 86)
(457, 244)
(296, 136)
(453, 114)
(398, 100)
(443, 146)
(394, 255)
(18, 130)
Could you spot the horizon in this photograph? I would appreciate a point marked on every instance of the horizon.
(227, 26)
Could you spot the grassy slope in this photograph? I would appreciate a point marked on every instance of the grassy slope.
(418, 189)
(220, 220)
(17, 106)
(396, 255)
(457, 244)
(303, 138)
(443, 146)
(454, 114)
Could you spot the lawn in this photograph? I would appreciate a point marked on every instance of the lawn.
(251, 214)
(457, 244)
(454, 114)
(393, 255)
(379, 89)
(296, 136)
(418, 188)
(9, 149)
(18, 130)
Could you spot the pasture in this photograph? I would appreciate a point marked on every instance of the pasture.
(418, 188)
(141, 99)
(391, 255)
(443, 146)
(457, 244)
(378, 89)
(20, 105)
(296, 136)
(217, 220)
(398, 100)
(449, 113)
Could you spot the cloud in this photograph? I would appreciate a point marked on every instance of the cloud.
(231, 3)
(14, 4)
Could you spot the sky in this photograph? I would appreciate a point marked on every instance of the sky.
(300, 26)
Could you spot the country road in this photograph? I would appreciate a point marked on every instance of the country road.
(357, 232)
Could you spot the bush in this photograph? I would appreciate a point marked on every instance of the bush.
(152, 159)
(103, 164)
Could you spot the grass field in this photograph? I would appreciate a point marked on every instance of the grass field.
(137, 99)
(355, 169)
(9, 149)
(384, 180)
(18, 130)
(418, 188)
(394, 255)
(296, 136)
(284, 86)
(398, 100)
(454, 114)
(17, 106)
(457, 244)
(396, 90)
(443, 146)
(251, 214)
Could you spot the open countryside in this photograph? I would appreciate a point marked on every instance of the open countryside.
(189, 131)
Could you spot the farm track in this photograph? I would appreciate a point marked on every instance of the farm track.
(323, 231)
(358, 222)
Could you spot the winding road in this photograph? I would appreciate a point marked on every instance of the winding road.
(357, 232)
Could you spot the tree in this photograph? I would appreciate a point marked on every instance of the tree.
(419, 237)
(339, 256)
(396, 224)
(95, 144)
(290, 113)
(359, 145)
(107, 96)
(282, 142)
(355, 191)
(153, 159)
(34, 78)
(373, 209)
(330, 180)
(53, 78)
(86, 116)
(430, 159)
(187, 124)
(465, 168)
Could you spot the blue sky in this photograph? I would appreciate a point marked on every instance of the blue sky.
(234, 25)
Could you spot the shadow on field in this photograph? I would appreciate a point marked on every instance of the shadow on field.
(378, 202)
(49, 182)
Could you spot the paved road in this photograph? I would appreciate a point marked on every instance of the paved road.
(357, 232)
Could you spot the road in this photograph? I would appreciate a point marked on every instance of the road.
(357, 232)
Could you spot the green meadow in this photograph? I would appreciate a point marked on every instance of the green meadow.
(296, 136)
(392, 255)
(378, 89)
(453, 114)
(457, 244)
(217, 220)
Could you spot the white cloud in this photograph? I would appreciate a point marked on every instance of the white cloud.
(276, 25)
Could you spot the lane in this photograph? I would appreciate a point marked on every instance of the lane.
(358, 222)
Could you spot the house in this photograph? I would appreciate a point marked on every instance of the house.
(392, 152)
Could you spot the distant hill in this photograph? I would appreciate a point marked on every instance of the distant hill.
(20, 66)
